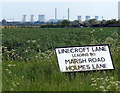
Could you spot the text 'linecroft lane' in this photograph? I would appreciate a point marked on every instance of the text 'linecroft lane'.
(82, 49)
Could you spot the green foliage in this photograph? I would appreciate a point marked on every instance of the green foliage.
(30, 64)
(4, 22)
(93, 22)
(113, 21)
(65, 23)
(35, 41)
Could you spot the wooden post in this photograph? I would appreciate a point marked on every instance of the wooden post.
(104, 73)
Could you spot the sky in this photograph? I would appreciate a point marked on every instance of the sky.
(14, 10)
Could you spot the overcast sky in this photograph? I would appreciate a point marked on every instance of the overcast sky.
(15, 9)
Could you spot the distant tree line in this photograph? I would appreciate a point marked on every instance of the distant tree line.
(63, 24)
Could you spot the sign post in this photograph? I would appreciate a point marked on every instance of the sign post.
(84, 58)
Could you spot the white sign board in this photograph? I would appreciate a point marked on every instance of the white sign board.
(84, 58)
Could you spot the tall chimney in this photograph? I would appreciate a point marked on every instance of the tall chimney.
(119, 12)
(55, 14)
(68, 14)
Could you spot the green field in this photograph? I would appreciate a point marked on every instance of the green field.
(29, 62)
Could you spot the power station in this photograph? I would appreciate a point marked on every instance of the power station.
(41, 18)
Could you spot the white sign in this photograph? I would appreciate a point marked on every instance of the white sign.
(84, 58)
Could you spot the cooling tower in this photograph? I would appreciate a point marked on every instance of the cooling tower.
(96, 17)
(87, 18)
(41, 18)
(24, 18)
(32, 18)
(79, 18)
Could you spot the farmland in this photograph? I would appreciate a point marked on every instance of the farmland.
(29, 62)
